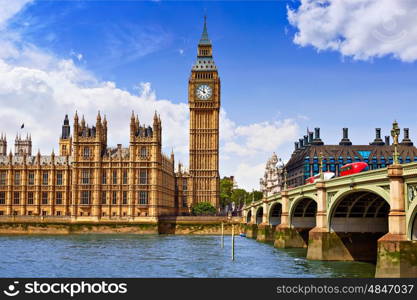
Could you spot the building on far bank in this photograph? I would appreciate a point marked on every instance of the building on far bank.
(304, 161)
(271, 182)
(87, 178)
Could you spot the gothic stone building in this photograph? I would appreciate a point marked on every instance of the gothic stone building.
(271, 183)
(90, 179)
(304, 161)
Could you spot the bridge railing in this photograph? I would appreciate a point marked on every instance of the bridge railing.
(410, 169)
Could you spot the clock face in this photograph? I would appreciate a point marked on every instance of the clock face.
(204, 92)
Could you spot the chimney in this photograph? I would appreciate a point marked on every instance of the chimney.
(406, 140)
(296, 146)
(345, 140)
(310, 137)
(377, 141)
(317, 133)
(387, 142)
(301, 143)
(306, 141)
(317, 141)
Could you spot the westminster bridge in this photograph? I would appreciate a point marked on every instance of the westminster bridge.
(369, 216)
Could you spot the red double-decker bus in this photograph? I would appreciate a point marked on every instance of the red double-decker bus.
(326, 176)
(353, 168)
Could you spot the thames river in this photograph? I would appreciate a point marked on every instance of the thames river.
(160, 256)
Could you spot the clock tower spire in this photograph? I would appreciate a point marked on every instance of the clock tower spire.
(204, 103)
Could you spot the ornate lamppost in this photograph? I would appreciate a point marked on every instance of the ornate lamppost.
(395, 132)
(285, 179)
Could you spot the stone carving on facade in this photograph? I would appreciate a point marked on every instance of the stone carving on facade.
(271, 182)
(330, 198)
(412, 192)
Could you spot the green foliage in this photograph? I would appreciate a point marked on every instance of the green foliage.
(203, 209)
(256, 195)
(228, 194)
(226, 188)
(239, 196)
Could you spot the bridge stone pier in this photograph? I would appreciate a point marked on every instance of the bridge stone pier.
(296, 222)
(370, 216)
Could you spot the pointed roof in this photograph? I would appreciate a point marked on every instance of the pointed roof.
(204, 40)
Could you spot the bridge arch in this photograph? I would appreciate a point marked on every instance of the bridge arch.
(249, 216)
(303, 212)
(274, 216)
(357, 199)
(414, 229)
(259, 215)
(359, 217)
(412, 223)
(302, 217)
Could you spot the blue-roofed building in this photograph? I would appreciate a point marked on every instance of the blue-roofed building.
(304, 161)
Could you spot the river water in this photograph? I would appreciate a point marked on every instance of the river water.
(160, 256)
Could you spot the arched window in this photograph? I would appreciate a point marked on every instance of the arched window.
(86, 152)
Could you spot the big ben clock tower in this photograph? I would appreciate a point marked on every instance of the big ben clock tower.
(204, 102)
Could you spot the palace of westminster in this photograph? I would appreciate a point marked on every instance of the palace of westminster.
(88, 178)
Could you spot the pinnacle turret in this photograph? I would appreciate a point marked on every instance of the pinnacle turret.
(204, 40)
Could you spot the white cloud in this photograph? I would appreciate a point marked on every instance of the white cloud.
(9, 8)
(38, 89)
(362, 29)
(245, 148)
(247, 175)
(78, 56)
(127, 42)
(256, 138)
(40, 97)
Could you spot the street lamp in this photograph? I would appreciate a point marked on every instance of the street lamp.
(395, 132)
(321, 165)
(285, 179)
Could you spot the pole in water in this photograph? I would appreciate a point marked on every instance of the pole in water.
(233, 242)
(222, 242)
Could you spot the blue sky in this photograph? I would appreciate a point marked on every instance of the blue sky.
(266, 76)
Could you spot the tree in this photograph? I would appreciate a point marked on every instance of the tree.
(229, 194)
(226, 188)
(254, 196)
(203, 209)
(239, 196)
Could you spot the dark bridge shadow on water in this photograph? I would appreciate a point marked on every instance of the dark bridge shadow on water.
(361, 246)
